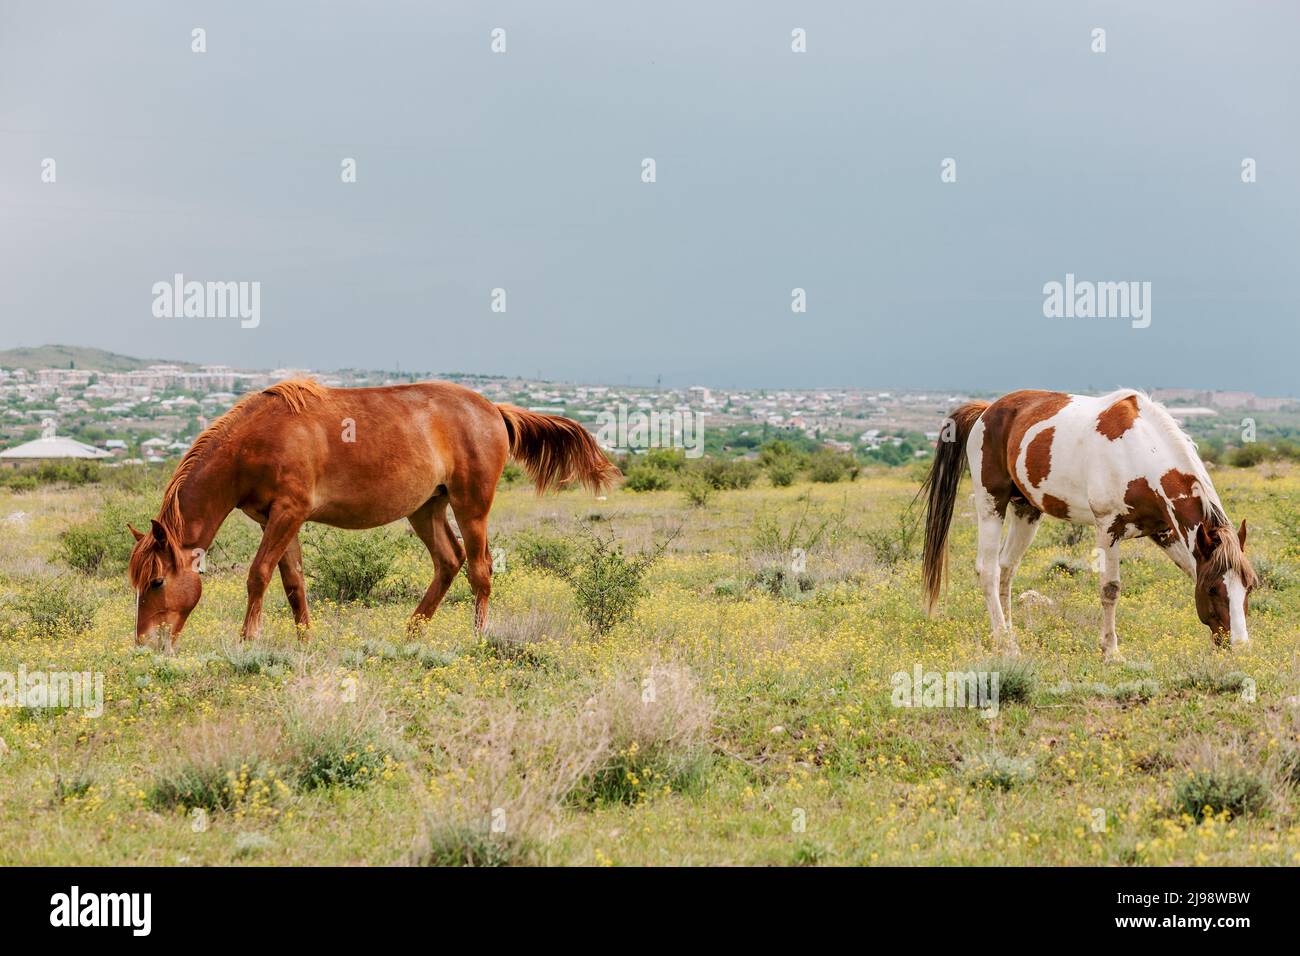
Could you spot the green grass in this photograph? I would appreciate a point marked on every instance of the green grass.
(737, 716)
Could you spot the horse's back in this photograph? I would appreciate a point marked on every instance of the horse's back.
(368, 456)
(1064, 454)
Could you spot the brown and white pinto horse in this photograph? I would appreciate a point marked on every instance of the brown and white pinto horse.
(351, 458)
(1119, 462)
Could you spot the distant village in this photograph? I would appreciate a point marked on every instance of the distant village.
(154, 413)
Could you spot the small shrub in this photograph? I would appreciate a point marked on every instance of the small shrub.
(505, 775)
(1017, 678)
(147, 481)
(72, 788)
(828, 467)
(728, 587)
(697, 489)
(458, 844)
(55, 607)
(249, 659)
(383, 650)
(102, 543)
(348, 566)
(658, 737)
(69, 472)
(780, 450)
(775, 538)
(215, 787)
(18, 481)
(1214, 790)
(219, 767)
(1248, 455)
(895, 543)
(724, 475)
(607, 584)
(429, 657)
(782, 472)
(1217, 680)
(336, 735)
(647, 478)
(1274, 575)
(550, 553)
(666, 459)
(810, 853)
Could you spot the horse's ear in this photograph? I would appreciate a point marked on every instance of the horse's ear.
(1204, 542)
(159, 532)
(1241, 534)
(135, 534)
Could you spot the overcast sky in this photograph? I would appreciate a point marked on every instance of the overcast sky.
(775, 170)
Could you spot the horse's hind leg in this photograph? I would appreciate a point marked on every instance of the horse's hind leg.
(430, 523)
(990, 534)
(1021, 522)
(471, 517)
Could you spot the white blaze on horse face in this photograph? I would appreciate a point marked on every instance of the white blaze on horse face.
(1236, 607)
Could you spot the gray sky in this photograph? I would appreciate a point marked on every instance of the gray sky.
(775, 170)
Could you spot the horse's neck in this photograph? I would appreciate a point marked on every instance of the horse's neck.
(207, 497)
(1188, 514)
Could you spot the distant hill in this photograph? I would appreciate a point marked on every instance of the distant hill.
(73, 356)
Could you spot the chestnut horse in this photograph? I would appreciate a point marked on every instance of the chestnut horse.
(1119, 462)
(351, 458)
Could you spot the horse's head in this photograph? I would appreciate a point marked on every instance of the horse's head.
(1224, 580)
(167, 584)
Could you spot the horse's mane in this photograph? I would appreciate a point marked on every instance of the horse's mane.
(295, 392)
(1228, 554)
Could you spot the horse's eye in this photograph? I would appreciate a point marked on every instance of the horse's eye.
(156, 584)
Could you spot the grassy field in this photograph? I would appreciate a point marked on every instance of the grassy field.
(742, 715)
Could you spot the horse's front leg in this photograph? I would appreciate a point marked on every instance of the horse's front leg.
(281, 529)
(295, 587)
(1108, 551)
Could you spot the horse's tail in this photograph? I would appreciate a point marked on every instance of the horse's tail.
(556, 451)
(940, 488)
